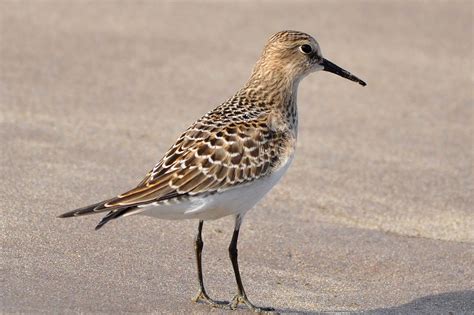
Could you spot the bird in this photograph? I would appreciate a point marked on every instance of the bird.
(227, 160)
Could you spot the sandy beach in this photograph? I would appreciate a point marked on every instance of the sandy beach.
(375, 214)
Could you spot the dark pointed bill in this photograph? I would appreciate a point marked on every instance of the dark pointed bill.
(331, 67)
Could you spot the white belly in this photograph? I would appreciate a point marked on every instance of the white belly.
(233, 201)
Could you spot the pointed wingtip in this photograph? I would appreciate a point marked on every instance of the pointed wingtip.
(66, 215)
(91, 209)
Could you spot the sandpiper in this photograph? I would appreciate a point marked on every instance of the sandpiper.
(226, 161)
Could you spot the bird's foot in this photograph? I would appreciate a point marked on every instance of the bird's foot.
(202, 296)
(242, 299)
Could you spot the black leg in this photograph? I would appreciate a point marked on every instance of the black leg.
(202, 295)
(241, 297)
(198, 245)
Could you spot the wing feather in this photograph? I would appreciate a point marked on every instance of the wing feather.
(207, 159)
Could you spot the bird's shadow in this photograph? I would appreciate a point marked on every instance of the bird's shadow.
(447, 303)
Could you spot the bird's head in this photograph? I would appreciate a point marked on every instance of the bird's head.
(294, 55)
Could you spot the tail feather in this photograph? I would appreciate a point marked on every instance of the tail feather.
(114, 214)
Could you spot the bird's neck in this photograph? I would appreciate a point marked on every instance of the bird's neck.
(276, 90)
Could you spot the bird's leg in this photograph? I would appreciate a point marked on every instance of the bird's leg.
(241, 297)
(202, 295)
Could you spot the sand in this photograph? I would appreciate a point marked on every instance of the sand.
(375, 214)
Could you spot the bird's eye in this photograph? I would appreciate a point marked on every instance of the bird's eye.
(306, 49)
